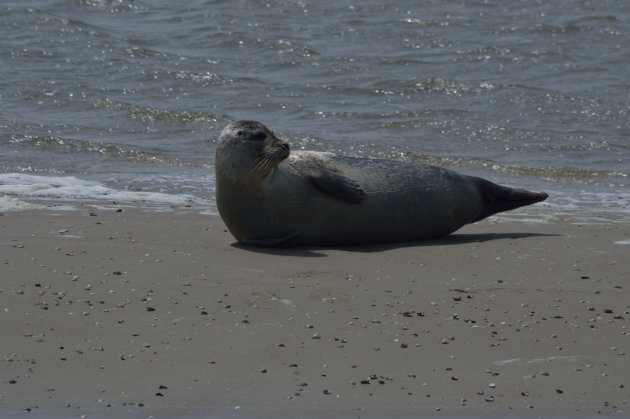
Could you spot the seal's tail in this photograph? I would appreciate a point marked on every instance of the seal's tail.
(497, 198)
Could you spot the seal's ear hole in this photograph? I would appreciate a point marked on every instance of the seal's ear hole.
(259, 136)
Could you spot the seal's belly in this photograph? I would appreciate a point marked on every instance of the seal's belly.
(388, 218)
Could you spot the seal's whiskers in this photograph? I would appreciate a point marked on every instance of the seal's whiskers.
(264, 161)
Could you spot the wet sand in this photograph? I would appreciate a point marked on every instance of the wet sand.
(138, 314)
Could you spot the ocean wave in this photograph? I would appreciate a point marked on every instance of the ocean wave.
(147, 114)
(17, 187)
(552, 173)
(103, 148)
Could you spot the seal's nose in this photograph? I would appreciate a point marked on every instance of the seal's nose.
(284, 149)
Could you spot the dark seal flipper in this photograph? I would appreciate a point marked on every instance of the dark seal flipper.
(330, 180)
(497, 198)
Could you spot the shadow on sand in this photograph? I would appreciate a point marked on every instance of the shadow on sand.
(314, 251)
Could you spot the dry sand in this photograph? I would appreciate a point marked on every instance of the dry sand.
(138, 314)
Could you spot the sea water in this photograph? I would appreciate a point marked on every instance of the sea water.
(121, 101)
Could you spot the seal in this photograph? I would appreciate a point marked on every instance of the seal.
(269, 196)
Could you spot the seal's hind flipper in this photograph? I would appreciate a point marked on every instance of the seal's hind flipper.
(497, 198)
(329, 180)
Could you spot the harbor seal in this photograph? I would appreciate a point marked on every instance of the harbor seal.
(270, 196)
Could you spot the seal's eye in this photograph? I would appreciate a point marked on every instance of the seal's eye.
(259, 136)
(240, 133)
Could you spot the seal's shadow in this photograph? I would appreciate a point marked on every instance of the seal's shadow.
(453, 239)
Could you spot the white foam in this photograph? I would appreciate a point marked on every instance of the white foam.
(506, 361)
(579, 206)
(571, 358)
(69, 188)
(627, 241)
(503, 362)
(8, 203)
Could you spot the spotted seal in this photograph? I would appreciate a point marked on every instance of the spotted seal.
(270, 196)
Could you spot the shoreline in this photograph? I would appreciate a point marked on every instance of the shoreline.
(133, 313)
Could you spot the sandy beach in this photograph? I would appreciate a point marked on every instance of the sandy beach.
(133, 313)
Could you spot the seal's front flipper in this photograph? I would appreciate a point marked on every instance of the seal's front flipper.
(272, 241)
(328, 179)
(497, 198)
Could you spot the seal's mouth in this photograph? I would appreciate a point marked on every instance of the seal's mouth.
(277, 151)
(270, 157)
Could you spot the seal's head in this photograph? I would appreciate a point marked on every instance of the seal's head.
(248, 150)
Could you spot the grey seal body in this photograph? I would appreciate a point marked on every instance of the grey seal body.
(269, 196)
